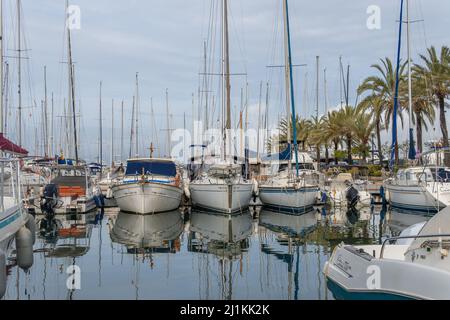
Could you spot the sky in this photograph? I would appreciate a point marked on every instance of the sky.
(163, 42)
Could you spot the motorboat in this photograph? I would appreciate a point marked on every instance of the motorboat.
(395, 269)
(344, 192)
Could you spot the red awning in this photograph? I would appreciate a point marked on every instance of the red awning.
(8, 146)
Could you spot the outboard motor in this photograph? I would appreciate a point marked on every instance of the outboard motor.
(352, 196)
(49, 201)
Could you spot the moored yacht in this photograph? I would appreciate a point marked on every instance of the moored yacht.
(222, 188)
(423, 189)
(149, 186)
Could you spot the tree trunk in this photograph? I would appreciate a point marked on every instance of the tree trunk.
(318, 155)
(349, 149)
(444, 129)
(380, 152)
(327, 155)
(419, 133)
(335, 151)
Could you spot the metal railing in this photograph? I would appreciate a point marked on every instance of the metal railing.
(410, 237)
(10, 184)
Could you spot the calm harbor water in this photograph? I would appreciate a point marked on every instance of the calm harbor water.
(196, 255)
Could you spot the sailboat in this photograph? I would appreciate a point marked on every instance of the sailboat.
(222, 187)
(284, 191)
(16, 225)
(417, 188)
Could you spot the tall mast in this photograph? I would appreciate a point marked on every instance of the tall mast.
(137, 115)
(205, 84)
(112, 133)
(259, 121)
(19, 71)
(2, 121)
(52, 127)
(412, 151)
(46, 143)
(317, 87)
(121, 133)
(72, 91)
(291, 81)
(100, 141)
(226, 70)
(132, 128)
(290, 121)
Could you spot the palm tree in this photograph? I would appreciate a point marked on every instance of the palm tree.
(362, 128)
(332, 131)
(375, 105)
(382, 87)
(423, 109)
(316, 137)
(436, 71)
(345, 119)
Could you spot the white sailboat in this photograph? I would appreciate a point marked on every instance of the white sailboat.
(149, 186)
(294, 193)
(419, 188)
(222, 188)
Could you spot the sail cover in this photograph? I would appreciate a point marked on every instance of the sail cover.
(160, 168)
(10, 147)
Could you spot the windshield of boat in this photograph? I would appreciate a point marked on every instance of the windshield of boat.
(151, 168)
(442, 175)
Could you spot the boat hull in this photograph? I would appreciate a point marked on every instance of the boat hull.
(353, 274)
(147, 198)
(221, 197)
(291, 200)
(416, 198)
(11, 220)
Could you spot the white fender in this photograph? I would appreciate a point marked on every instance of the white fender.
(255, 187)
(24, 248)
(2, 274)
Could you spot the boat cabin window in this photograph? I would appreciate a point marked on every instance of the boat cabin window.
(301, 166)
(442, 175)
(136, 168)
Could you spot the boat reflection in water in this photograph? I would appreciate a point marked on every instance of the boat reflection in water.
(296, 248)
(147, 233)
(226, 237)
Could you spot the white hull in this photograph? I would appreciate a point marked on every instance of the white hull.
(418, 197)
(288, 199)
(353, 275)
(221, 197)
(147, 198)
(11, 220)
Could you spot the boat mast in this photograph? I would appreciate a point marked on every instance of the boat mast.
(100, 141)
(137, 115)
(291, 81)
(72, 91)
(412, 151)
(226, 74)
(46, 143)
(317, 90)
(19, 71)
(2, 122)
(121, 134)
(112, 133)
(132, 129)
